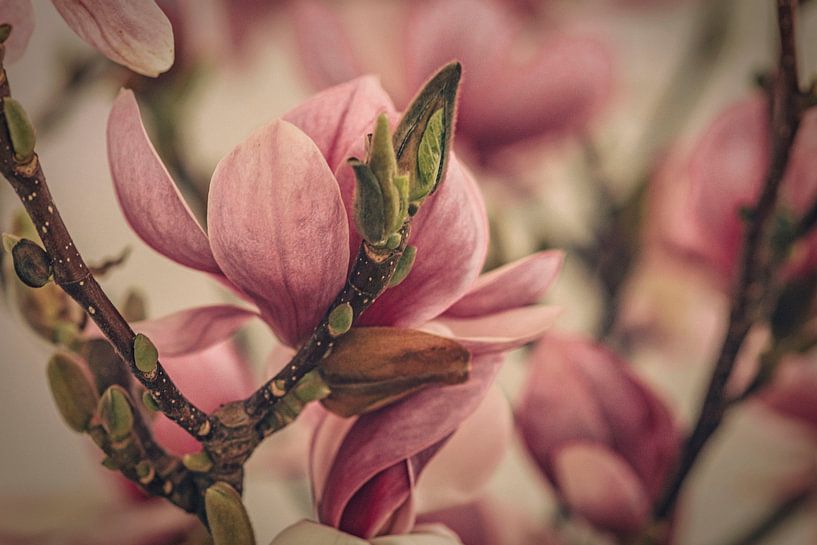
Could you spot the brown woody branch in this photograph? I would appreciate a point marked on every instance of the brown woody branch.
(786, 107)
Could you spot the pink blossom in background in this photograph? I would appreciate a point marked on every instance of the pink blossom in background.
(725, 172)
(133, 33)
(597, 432)
(280, 237)
(522, 85)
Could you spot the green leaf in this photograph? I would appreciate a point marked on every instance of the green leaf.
(226, 516)
(429, 156)
(145, 354)
(73, 393)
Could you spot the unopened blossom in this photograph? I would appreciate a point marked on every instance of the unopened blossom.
(723, 175)
(518, 86)
(280, 236)
(133, 33)
(603, 439)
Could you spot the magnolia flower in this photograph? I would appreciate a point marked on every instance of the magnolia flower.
(511, 92)
(318, 534)
(598, 434)
(133, 33)
(279, 235)
(725, 172)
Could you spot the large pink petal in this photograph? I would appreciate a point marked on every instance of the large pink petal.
(133, 33)
(379, 440)
(726, 170)
(459, 473)
(451, 236)
(599, 485)
(278, 228)
(338, 119)
(323, 45)
(208, 378)
(20, 15)
(516, 284)
(502, 331)
(193, 330)
(794, 390)
(149, 199)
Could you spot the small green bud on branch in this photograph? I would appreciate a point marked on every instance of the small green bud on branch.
(31, 263)
(340, 319)
(73, 393)
(403, 266)
(200, 462)
(226, 516)
(20, 129)
(115, 413)
(145, 354)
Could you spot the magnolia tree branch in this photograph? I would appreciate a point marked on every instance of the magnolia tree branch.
(786, 102)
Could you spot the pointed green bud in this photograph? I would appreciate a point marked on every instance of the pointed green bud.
(340, 319)
(382, 159)
(5, 32)
(370, 217)
(20, 130)
(145, 354)
(429, 157)
(200, 462)
(394, 240)
(150, 402)
(423, 137)
(311, 387)
(31, 263)
(73, 393)
(402, 185)
(9, 242)
(114, 410)
(403, 266)
(226, 516)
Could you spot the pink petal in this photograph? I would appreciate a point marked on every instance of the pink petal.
(502, 331)
(133, 33)
(451, 236)
(379, 440)
(516, 284)
(193, 330)
(208, 378)
(149, 199)
(339, 118)
(600, 486)
(726, 170)
(278, 228)
(20, 15)
(323, 45)
(469, 459)
(794, 390)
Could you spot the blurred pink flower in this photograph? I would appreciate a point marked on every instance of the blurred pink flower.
(725, 172)
(518, 86)
(133, 33)
(600, 436)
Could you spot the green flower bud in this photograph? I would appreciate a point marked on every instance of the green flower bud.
(403, 266)
(115, 412)
(73, 393)
(370, 367)
(226, 516)
(145, 354)
(311, 388)
(200, 462)
(340, 319)
(370, 217)
(20, 130)
(31, 263)
(423, 136)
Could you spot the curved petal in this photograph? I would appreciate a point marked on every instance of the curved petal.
(193, 330)
(465, 464)
(502, 331)
(307, 531)
(323, 45)
(379, 440)
(490, 521)
(599, 485)
(339, 118)
(208, 378)
(133, 33)
(794, 390)
(20, 15)
(516, 284)
(451, 236)
(278, 228)
(150, 200)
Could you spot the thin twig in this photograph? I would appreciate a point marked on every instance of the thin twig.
(786, 106)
